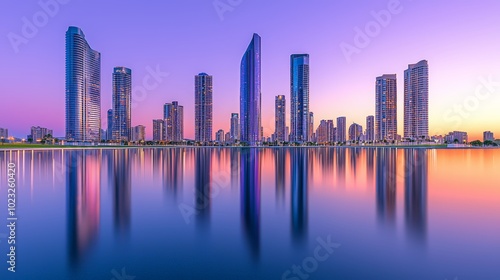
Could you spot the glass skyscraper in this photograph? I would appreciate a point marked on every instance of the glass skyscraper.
(341, 129)
(203, 107)
(83, 88)
(250, 95)
(386, 113)
(122, 104)
(280, 118)
(370, 129)
(416, 101)
(299, 95)
(109, 131)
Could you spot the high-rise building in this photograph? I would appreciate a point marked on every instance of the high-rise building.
(287, 134)
(235, 127)
(386, 113)
(488, 136)
(299, 96)
(219, 136)
(203, 107)
(459, 137)
(355, 132)
(37, 133)
(280, 118)
(4, 133)
(250, 95)
(122, 104)
(311, 126)
(341, 130)
(109, 131)
(158, 130)
(227, 137)
(83, 88)
(173, 129)
(416, 101)
(138, 133)
(370, 129)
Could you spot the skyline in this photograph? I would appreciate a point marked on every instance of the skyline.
(336, 85)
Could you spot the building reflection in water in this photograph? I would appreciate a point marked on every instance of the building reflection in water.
(235, 167)
(370, 159)
(386, 185)
(416, 193)
(341, 168)
(173, 171)
(203, 167)
(299, 184)
(121, 190)
(280, 173)
(83, 201)
(250, 197)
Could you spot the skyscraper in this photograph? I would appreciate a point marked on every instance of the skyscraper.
(416, 101)
(138, 133)
(341, 129)
(109, 131)
(325, 132)
(235, 127)
(219, 136)
(370, 129)
(4, 133)
(203, 107)
(386, 113)
(37, 133)
(122, 104)
(173, 129)
(158, 130)
(279, 117)
(83, 88)
(299, 95)
(250, 95)
(488, 136)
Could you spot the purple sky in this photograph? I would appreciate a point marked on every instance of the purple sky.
(460, 39)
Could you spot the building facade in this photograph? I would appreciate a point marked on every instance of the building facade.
(173, 128)
(4, 133)
(138, 133)
(250, 93)
(416, 101)
(122, 104)
(37, 133)
(325, 133)
(341, 130)
(488, 136)
(203, 91)
(370, 129)
(279, 118)
(235, 127)
(83, 88)
(299, 97)
(158, 129)
(386, 113)
(109, 129)
(355, 132)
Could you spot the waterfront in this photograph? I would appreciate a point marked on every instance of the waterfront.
(254, 213)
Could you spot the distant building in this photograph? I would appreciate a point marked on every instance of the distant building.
(311, 126)
(416, 101)
(138, 133)
(235, 127)
(355, 132)
(460, 136)
(219, 136)
(341, 129)
(370, 129)
(109, 131)
(299, 98)
(203, 89)
(173, 129)
(227, 138)
(287, 134)
(4, 133)
(280, 118)
(325, 133)
(122, 104)
(158, 130)
(386, 113)
(488, 136)
(37, 133)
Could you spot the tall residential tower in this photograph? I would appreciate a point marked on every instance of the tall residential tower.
(279, 118)
(122, 104)
(83, 88)
(203, 107)
(299, 96)
(386, 113)
(416, 101)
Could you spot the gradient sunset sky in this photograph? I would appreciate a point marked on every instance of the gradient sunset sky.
(459, 39)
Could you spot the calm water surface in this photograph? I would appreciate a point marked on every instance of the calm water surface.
(229, 213)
